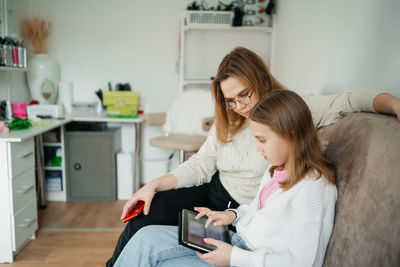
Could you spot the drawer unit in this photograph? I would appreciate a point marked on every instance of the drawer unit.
(23, 189)
(24, 225)
(22, 156)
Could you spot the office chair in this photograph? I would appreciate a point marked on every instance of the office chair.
(185, 124)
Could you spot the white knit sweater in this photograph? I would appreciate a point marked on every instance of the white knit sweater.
(292, 229)
(240, 166)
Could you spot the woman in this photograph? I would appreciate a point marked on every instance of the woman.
(226, 171)
(288, 223)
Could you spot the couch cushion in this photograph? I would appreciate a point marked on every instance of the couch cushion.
(365, 149)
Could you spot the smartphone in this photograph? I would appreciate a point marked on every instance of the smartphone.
(135, 211)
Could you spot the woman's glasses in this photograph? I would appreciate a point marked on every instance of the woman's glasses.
(243, 100)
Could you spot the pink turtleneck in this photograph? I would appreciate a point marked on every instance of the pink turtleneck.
(279, 175)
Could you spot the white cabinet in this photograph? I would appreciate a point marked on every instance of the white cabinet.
(18, 202)
(17, 196)
(202, 48)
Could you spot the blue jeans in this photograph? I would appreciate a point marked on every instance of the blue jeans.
(157, 245)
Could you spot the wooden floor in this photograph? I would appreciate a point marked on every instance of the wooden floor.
(89, 214)
(78, 234)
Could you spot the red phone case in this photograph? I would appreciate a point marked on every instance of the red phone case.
(134, 212)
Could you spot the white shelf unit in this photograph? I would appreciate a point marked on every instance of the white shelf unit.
(202, 48)
(53, 168)
(62, 194)
(2, 68)
(196, 81)
(227, 28)
(56, 144)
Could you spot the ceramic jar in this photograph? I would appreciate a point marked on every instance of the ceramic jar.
(43, 78)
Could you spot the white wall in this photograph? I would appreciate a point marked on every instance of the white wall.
(321, 46)
(97, 41)
(16, 81)
(329, 46)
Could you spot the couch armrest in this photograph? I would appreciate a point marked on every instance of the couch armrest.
(365, 149)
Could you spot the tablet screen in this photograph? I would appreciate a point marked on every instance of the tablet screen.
(194, 231)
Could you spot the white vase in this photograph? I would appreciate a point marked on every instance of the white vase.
(43, 77)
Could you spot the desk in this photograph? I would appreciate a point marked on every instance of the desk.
(17, 169)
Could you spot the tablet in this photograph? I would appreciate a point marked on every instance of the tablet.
(193, 231)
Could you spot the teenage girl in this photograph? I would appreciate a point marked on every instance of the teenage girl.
(227, 170)
(290, 220)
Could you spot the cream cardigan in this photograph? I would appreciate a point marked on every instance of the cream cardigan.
(240, 166)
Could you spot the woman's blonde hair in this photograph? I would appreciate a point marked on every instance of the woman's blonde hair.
(288, 115)
(249, 68)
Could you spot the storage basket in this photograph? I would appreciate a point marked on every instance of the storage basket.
(121, 104)
(120, 98)
(210, 18)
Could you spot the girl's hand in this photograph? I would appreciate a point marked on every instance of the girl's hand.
(218, 217)
(146, 194)
(221, 256)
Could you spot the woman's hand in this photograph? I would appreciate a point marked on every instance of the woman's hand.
(386, 103)
(221, 256)
(396, 108)
(146, 194)
(218, 217)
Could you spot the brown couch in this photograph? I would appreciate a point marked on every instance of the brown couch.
(366, 151)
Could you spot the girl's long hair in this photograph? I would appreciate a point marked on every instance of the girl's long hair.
(288, 115)
(249, 68)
